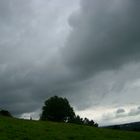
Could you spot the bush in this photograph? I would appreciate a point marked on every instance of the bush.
(5, 113)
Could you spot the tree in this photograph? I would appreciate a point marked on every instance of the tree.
(77, 120)
(96, 124)
(57, 109)
(5, 113)
(86, 121)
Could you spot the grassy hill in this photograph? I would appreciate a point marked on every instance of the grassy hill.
(16, 129)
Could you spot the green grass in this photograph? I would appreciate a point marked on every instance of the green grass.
(16, 129)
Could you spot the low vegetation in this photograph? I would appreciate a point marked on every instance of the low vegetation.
(16, 129)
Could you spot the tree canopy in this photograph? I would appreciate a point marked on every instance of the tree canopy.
(5, 113)
(57, 109)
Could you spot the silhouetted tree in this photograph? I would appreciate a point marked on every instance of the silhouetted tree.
(96, 124)
(86, 121)
(5, 113)
(57, 109)
(91, 123)
(77, 120)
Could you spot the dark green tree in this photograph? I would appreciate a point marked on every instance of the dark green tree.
(57, 109)
(5, 113)
(77, 120)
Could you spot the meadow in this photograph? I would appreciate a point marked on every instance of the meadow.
(19, 129)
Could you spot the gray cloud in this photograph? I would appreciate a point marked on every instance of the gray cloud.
(122, 114)
(120, 111)
(105, 35)
(31, 33)
(134, 112)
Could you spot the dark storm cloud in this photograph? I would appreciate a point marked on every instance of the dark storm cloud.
(30, 66)
(105, 35)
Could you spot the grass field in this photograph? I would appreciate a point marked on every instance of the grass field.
(16, 129)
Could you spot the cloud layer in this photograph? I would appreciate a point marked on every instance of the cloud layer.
(105, 35)
(31, 34)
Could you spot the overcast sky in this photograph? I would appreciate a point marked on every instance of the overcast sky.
(85, 50)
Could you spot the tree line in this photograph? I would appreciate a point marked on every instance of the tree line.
(58, 109)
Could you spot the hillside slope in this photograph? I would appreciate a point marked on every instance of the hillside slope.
(16, 129)
(134, 126)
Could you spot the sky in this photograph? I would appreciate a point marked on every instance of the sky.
(85, 50)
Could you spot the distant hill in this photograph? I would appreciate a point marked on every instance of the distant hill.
(18, 129)
(135, 126)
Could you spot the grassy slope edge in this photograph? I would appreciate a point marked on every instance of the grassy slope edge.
(16, 129)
